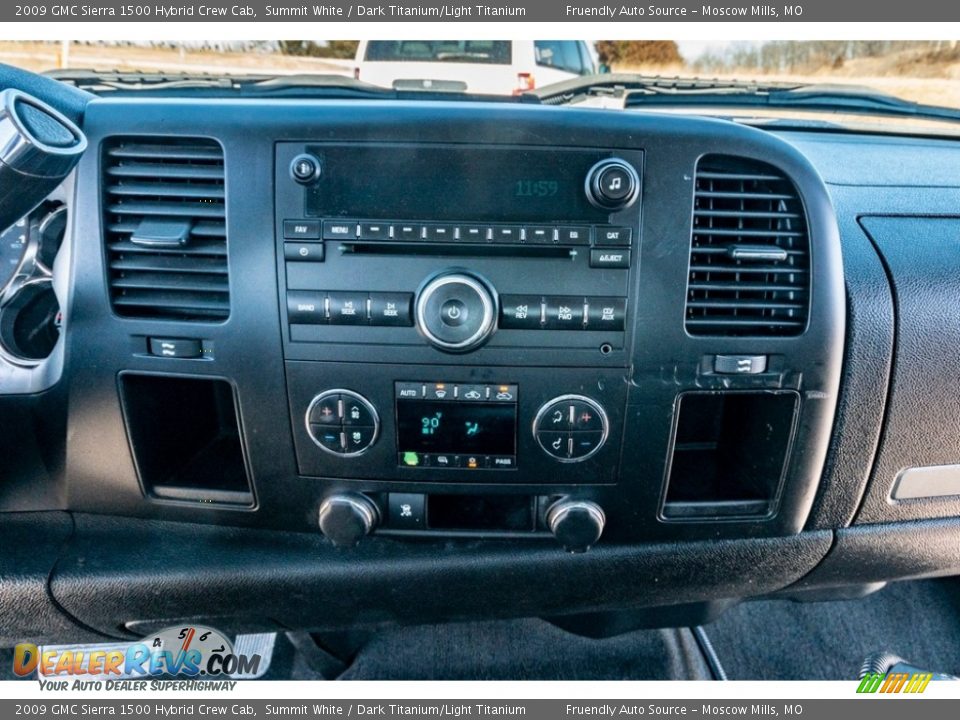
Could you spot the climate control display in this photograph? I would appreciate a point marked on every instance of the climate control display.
(450, 425)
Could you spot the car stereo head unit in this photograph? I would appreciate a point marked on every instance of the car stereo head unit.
(441, 249)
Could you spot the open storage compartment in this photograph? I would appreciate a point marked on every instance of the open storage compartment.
(729, 454)
(185, 438)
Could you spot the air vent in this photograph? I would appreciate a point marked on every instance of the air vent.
(165, 228)
(749, 252)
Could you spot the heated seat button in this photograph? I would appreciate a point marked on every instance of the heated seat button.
(391, 309)
(564, 313)
(356, 413)
(520, 312)
(326, 411)
(407, 511)
(306, 308)
(606, 313)
(348, 308)
(357, 438)
(584, 444)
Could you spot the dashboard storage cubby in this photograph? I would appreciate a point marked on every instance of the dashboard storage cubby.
(185, 437)
(729, 453)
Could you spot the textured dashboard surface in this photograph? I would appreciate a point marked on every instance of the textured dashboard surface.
(300, 581)
(923, 412)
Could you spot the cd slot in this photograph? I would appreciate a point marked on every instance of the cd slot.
(466, 250)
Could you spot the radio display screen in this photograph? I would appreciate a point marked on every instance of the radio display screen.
(451, 183)
(456, 428)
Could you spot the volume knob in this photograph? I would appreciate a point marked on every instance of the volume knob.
(576, 524)
(348, 518)
(456, 311)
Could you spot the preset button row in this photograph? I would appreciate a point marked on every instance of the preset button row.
(463, 232)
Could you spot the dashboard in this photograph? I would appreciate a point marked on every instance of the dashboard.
(324, 363)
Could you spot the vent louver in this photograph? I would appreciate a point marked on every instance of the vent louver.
(749, 252)
(165, 228)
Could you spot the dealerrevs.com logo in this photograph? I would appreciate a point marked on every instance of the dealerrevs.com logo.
(194, 655)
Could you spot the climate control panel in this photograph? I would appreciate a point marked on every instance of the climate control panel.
(457, 426)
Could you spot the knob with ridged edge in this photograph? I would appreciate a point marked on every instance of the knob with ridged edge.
(345, 519)
(576, 524)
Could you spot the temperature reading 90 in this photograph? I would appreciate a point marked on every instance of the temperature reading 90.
(536, 188)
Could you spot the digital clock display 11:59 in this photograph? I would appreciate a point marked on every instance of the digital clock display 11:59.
(456, 428)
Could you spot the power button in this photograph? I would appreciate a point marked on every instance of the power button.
(305, 168)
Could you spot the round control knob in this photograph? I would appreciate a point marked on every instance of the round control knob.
(576, 524)
(612, 184)
(456, 311)
(305, 168)
(571, 428)
(342, 422)
(346, 519)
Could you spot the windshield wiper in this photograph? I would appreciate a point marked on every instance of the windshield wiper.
(643, 91)
(337, 87)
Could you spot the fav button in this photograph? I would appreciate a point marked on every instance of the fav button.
(301, 229)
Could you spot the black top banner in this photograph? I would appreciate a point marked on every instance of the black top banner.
(489, 11)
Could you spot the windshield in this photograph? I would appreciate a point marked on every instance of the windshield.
(916, 71)
(490, 52)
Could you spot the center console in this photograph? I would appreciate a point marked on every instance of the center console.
(430, 322)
